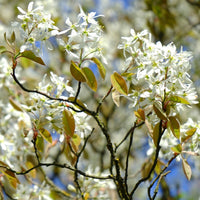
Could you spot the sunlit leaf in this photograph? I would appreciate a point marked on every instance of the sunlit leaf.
(159, 112)
(146, 168)
(186, 169)
(46, 134)
(12, 38)
(2, 49)
(82, 106)
(188, 134)
(90, 78)
(178, 99)
(191, 132)
(116, 97)
(40, 143)
(75, 142)
(149, 127)
(76, 72)
(68, 123)
(140, 114)
(11, 178)
(15, 105)
(156, 132)
(177, 148)
(174, 126)
(100, 66)
(159, 166)
(69, 155)
(31, 56)
(119, 83)
(29, 166)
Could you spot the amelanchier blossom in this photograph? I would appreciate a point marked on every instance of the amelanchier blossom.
(83, 37)
(158, 74)
(161, 70)
(35, 26)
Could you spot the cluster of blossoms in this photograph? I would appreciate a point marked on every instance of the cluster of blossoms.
(36, 26)
(83, 37)
(160, 77)
(158, 74)
(161, 70)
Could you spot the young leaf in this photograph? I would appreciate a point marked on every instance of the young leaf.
(2, 49)
(78, 101)
(31, 56)
(90, 78)
(15, 105)
(40, 144)
(68, 123)
(75, 142)
(156, 132)
(159, 112)
(76, 72)
(174, 126)
(119, 83)
(177, 148)
(178, 99)
(69, 155)
(140, 114)
(116, 97)
(11, 178)
(188, 134)
(191, 132)
(12, 38)
(100, 66)
(186, 169)
(46, 134)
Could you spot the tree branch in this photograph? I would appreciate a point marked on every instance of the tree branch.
(155, 160)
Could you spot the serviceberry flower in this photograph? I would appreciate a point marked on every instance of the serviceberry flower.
(161, 69)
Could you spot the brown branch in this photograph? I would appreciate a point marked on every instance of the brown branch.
(160, 174)
(154, 163)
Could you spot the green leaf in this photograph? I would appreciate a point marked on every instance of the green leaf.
(90, 78)
(31, 56)
(174, 126)
(119, 83)
(69, 155)
(15, 105)
(46, 134)
(12, 38)
(76, 72)
(75, 142)
(156, 132)
(2, 49)
(140, 114)
(11, 178)
(177, 148)
(188, 134)
(191, 132)
(5, 38)
(116, 97)
(68, 123)
(178, 99)
(40, 144)
(186, 169)
(159, 112)
(100, 66)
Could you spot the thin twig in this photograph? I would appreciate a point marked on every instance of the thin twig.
(158, 176)
(155, 160)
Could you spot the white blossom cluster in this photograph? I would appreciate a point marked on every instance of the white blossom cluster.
(35, 26)
(160, 69)
(83, 37)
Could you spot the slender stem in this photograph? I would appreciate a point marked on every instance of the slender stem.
(154, 163)
(127, 156)
(162, 171)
